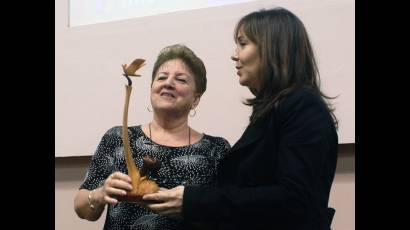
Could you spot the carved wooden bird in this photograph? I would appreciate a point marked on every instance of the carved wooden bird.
(133, 67)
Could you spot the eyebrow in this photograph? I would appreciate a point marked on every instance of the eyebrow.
(177, 73)
(241, 37)
(188, 75)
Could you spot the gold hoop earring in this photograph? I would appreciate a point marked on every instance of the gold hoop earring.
(192, 115)
(149, 110)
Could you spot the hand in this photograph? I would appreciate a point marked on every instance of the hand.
(117, 184)
(168, 202)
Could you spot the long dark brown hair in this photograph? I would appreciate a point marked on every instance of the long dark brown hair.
(287, 59)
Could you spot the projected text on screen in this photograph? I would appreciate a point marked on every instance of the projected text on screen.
(86, 12)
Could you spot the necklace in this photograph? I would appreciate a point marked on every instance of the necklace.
(182, 162)
(189, 135)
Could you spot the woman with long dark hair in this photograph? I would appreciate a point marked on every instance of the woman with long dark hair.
(279, 173)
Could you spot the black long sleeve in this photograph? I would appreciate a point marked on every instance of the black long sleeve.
(306, 153)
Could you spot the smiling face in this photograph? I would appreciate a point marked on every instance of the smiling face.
(247, 61)
(173, 88)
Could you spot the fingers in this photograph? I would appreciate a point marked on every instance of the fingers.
(167, 202)
(110, 194)
(165, 209)
(165, 194)
(115, 192)
(120, 176)
(159, 207)
(155, 197)
(159, 201)
(117, 184)
(110, 200)
(119, 180)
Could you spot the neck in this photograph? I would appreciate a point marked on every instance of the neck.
(170, 125)
(171, 134)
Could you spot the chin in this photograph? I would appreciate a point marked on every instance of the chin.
(165, 108)
(243, 82)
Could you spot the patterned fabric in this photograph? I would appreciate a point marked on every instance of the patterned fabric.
(187, 165)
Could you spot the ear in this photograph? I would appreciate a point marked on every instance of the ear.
(197, 98)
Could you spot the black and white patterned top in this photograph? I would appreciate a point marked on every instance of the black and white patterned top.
(186, 165)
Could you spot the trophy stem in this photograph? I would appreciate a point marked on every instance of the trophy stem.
(133, 171)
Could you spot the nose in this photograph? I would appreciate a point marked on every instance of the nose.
(169, 83)
(235, 57)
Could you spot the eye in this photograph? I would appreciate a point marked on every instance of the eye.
(242, 44)
(161, 77)
(183, 80)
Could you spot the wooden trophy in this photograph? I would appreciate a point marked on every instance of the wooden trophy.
(139, 177)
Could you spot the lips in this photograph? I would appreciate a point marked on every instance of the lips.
(239, 70)
(167, 94)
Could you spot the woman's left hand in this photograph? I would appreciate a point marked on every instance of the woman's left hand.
(167, 202)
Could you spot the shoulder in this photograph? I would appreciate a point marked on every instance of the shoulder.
(113, 132)
(117, 130)
(300, 97)
(217, 141)
(302, 100)
(219, 147)
(305, 113)
(112, 135)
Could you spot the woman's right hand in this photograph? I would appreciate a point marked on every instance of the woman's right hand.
(117, 184)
